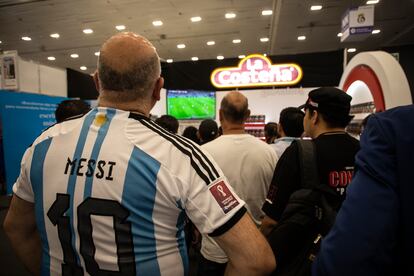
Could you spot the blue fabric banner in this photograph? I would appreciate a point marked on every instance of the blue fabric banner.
(23, 117)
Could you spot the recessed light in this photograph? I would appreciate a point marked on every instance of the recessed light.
(339, 35)
(220, 57)
(55, 35)
(157, 23)
(120, 27)
(377, 31)
(194, 58)
(97, 54)
(230, 15)
(83, 68)
(181, 46)
(372, 2)
(26, 38)
(51, 58)
(1, 42)
(316, 7)
(74, 55)
(265, 54)
(351, 50)
(210, 43)
(87, 31)
(264, 39)
(242, 56)
(301, 37)
(267, 12)
(236, 41)
(196, 19)
(170, 60)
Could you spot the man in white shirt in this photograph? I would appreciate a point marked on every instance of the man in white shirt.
(248, 164)
(107, 193)
(290, 128)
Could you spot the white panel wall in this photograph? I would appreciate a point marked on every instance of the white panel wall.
(266, 101)
(28, 76)
(53, 81)
(270, 102)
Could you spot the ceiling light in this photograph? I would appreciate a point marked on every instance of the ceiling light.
(220, 57)
(120, 27)
(242, 56)
(87, 31)
(316, 7)
(26, 38)
(55, 35)
(301, 37)
(181, 46)
(351, 50)
(74, 55)
(97, 54)
(83, 68)
(267, 12)
(157, 23)
(236, 41)
(194, 58)
(51, 58)
(1, 42)
(230, 15)
(170, 60)
(264, 39)
(372, 2)
(265, 54)
(339, 35)
(209, 43)
(196, 19)
(377, 31)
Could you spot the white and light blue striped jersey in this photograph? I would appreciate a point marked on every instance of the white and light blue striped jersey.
(111, 190)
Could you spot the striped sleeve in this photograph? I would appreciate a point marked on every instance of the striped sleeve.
(22, 187)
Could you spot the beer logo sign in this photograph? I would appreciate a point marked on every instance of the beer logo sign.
(256, 70)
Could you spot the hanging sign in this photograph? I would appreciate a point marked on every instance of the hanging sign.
(357, 23)
(256, 70)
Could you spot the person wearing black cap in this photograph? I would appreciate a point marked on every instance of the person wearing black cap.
(326, 116)
(247, 162)
(207, 131)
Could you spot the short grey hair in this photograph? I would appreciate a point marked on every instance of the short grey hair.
(234, 113)
(133, 84)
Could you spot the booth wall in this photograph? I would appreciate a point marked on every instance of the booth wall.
(81, 85)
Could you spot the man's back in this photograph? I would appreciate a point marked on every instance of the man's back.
(113, 186)
(373, 231)
(248, 164)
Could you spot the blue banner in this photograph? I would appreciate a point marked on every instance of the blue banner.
(23, 117)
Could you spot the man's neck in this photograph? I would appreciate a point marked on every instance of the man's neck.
(229, 128)
(327, 130)
(131, 107)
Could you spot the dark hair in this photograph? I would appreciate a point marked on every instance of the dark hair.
(270, 130)
(168, 122)
(190, 132)
(70, 108)
(234, 113)
(134, 82)
(331, 120)
(291, 121)
(208, 130)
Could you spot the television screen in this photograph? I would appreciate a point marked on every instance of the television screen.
(191, 104)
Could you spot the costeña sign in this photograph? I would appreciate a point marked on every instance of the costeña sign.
(256, 70)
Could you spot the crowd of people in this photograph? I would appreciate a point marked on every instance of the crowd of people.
(109, 191)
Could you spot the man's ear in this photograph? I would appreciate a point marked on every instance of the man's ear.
(315, 117)
(156, 93)
(96, 81)
(221, 116)
(247, 114)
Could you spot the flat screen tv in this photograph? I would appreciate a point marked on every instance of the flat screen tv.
(191, 104)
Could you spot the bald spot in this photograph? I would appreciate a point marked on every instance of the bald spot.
(121, 52)
(234, 106)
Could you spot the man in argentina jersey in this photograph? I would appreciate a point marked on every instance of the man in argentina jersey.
(107, 193)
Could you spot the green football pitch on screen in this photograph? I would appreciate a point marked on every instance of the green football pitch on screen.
(192, 107)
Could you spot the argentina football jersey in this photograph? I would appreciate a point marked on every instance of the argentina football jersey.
(111, 191)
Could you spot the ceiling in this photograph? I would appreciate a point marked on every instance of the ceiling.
(291, 18)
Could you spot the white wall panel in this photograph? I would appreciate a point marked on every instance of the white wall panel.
(53, 81)
(28, 76)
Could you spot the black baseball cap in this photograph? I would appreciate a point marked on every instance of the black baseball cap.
(330, 101)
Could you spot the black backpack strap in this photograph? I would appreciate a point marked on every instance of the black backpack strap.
(308, 164)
